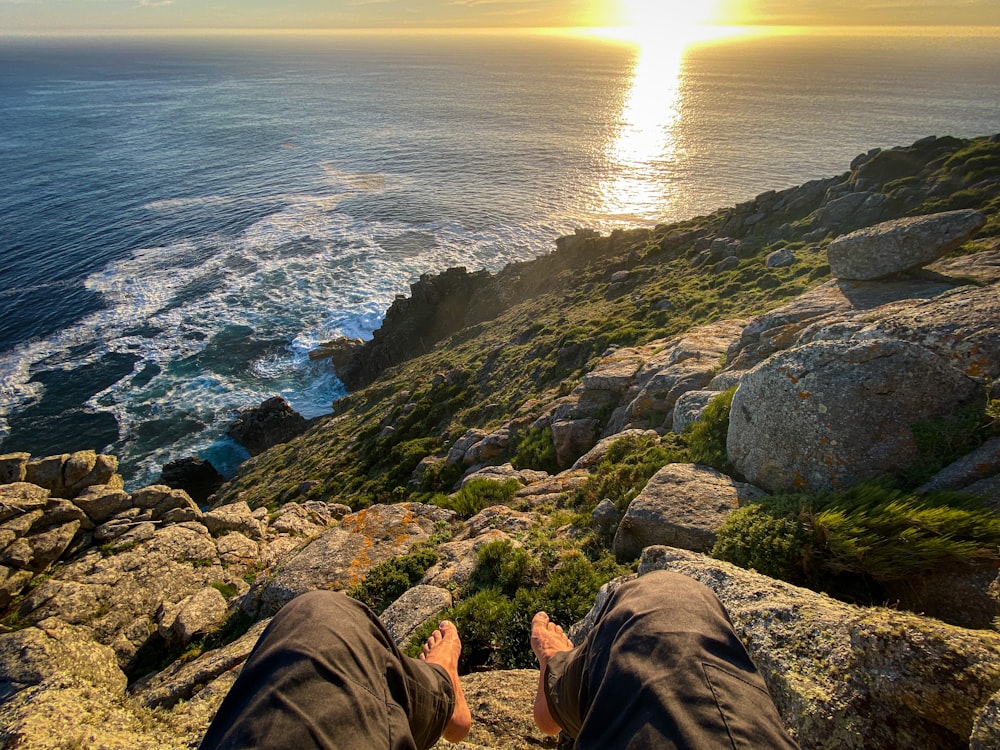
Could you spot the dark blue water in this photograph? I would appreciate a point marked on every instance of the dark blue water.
(183, 219)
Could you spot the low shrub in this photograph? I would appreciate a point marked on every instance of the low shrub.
(477, 495)
(536, 450)
(854, 541)
(387, 581)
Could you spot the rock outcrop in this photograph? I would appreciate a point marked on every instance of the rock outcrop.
(272, 422)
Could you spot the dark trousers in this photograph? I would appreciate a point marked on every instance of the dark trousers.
(326, 674)
(662, 668)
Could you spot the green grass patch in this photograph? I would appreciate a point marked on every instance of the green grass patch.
(388, 581)
(706, 438)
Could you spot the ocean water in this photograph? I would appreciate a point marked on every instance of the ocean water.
(183, 219)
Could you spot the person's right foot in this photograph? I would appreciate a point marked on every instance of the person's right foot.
(547, 639)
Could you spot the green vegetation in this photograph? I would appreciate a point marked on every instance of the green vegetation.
(536, 450)
(707, 437)
(476, 495)
(507, 586)
(853, 541)
(626, 467)
(387, 581)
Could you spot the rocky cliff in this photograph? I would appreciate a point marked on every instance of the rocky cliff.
(808, 378)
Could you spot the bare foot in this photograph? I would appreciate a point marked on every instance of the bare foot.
(443, 648)
(547, 639)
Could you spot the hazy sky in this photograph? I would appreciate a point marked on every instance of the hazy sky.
(28, 15)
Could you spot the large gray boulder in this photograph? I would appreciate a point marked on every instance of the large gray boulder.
(830, 414)
(682, 505)
(901, 245)
(404, 616)
(851, 677)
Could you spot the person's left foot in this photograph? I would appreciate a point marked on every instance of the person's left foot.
(443, 648)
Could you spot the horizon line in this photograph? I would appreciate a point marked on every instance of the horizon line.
(421, 30)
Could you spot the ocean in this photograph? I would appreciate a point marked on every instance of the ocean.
(184, 218)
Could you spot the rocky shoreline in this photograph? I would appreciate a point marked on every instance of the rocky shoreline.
(126, 617)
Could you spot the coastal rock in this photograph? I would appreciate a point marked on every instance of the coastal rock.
(272, 422)
(160, 500)
(682, 505)
(20, 498)
(404, 616)
(339, 351)
(501, 711)
(830, 414)
(850, 677)
(68, 474)
(101, 503)
(340, 557)
(194, 615)
(13, 467)
(198, 478)
(234, 517)
(901, 245)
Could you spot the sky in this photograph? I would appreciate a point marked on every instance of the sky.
(96, 15)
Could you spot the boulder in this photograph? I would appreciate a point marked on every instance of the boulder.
(340, 557)
(457, 559)
(101, 503)
(20, 498)
(13, 467)
(197, 477)
(982, 463)
(197, 614)
(833, 413)
(850, 677)
(901, 245)
(234, 517)
(404, 616)
(272, 422)
(682, 505)
(501, 711)
(780, 258)
(606, 517)
(595, 455)
(572, 439)
(68, 474)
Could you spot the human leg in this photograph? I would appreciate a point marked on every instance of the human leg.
(326, 674)
(662, 668)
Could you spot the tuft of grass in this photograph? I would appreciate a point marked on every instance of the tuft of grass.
(860, 539)
(477, 495)
(706, 438)
(536, 450)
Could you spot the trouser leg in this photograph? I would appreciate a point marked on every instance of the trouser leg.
(326, 674)
(663, 668)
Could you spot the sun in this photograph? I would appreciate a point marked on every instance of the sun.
(668, 16)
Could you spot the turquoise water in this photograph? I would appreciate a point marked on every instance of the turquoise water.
(185, 218)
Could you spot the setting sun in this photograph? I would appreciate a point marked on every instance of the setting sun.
(666, 14)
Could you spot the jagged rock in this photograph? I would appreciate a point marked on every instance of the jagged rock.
(490, 447)
(68, 474)
(58, 511)
(272, 422)
(553, 487)
(850, 677)
(833, 413)
(404, 616)
(505, 472)
(339, 351)
(197, 477)
(689, 408)
(986, 730)
(292, 518)
(614, 373)
(20, 498)
(101, 503)
(500, 517)
(340, 557)
(13, 467)
(160, 499)
(457, 452)
(194, 615)
(12, 583)
(901, 245)
(134, 534)
(573, 439)
(111, 593)
(236, 549)
(182, 681)
(120, 524)
(48, 545)
(234, 517)
(686, 363)
(682, 505)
